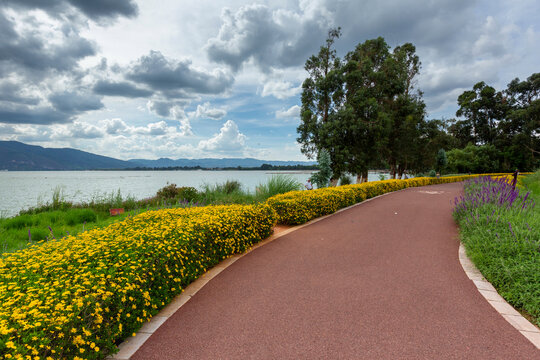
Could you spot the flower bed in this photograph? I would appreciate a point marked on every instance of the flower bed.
(298, 207)
(78, 296)
(499, 228)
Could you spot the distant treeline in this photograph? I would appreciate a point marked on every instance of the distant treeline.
(262, 167)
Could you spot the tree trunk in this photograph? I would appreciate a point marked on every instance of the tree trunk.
(358, 178)
(333, 182)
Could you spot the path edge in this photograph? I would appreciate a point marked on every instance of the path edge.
(484, 287)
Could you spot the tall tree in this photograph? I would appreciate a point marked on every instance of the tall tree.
(369, 87)
(322, 95)
(520, 131)
(483, 107)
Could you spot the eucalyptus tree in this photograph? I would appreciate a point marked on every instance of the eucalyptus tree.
(322, 96)
(483, 107)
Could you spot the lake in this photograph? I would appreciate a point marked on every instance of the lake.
(24, 189)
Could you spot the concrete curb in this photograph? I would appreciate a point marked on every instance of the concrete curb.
(130, 346)
(527, 329)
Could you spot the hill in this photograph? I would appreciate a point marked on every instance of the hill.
(18, 156)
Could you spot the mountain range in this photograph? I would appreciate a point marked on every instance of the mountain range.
(16, 156)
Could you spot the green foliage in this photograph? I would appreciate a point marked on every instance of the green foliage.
(322, 177)
(172, 193)
(532, 182)
(277, 184)
(474, 159)
(506, 119)
(346, 179)
(364, 110)
(168, 192)
(80, 216)
(432, 173)
(442, 160)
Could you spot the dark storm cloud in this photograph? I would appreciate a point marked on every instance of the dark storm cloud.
(10, 92)
(40, 116)
(270, 39)
(161, 108)
(73, 102)
(123, 89)
(33, 54)
(280, 38)
(175, 77)
(93, 9)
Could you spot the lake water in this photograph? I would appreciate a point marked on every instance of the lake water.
(24, 189)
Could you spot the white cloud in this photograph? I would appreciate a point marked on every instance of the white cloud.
(280, 89)
(204, 111)
(292, 112)
(229, 140)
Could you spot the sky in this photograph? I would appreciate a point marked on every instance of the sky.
(210, 78)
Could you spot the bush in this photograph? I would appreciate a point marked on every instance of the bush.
(298, 207)
(346, 180)
(167, 192)
(83, 294)
(187, 193)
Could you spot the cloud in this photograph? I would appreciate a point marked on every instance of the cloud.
(114, 126)
(177, 78)
(158, 128)
(95, 9)
(167, 109)
(280, 89)
(206, 112)
(54, 47)
(75, 102)
(229, 140)
(13, 93)
(26, 115)
(85, 131)
(269, 38)
(123, 88)
(292, 112)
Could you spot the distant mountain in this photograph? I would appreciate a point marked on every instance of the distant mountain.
(210, 163)
(18, 156)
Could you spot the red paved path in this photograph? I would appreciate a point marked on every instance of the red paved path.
(379, 281)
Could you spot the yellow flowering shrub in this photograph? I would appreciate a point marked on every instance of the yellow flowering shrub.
(79, 296)
(298, 207)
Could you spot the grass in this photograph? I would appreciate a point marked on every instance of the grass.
(59, 217)
(500, 229)
(277, 184)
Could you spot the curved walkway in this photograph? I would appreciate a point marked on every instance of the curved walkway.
(381, 280)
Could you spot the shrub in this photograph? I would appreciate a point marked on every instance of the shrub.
(298, 207)
(345, 180)
(230, 186)
(187, 193)
(170, 191)
(81, 295)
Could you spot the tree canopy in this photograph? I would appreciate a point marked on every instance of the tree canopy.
(366, 112)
